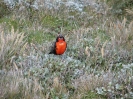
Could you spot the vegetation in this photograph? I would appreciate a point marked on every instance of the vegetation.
(4, 9)
(98, 62)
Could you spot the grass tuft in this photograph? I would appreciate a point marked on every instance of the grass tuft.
(12, 44)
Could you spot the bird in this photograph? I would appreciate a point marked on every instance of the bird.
(59, 46)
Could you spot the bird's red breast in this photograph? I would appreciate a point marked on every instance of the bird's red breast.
(60, 47)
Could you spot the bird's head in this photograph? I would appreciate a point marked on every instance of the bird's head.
(60, 38)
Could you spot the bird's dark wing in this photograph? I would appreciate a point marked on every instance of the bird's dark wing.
(53, 48)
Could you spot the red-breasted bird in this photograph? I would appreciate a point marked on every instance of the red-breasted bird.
(59, 46)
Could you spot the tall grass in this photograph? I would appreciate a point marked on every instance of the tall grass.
(14, 85)
(12, 44)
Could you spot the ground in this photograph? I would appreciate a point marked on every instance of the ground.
(97, 62)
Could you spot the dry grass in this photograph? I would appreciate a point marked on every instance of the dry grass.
(121, 42)
(89, 82)
(12, 44)
(15, 85)
(122, 34)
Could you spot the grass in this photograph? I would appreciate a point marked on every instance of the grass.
(12, 44)
(96, 65)
(4, 10)
(14, 85)
(39, 37)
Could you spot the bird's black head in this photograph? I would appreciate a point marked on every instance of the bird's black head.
(60, 37)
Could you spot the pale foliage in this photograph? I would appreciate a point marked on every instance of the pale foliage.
(11, 44)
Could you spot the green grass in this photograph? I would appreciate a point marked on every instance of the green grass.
(10, 22)
(53, 24)
(56, 23)
(39, 37)
(92, 95)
